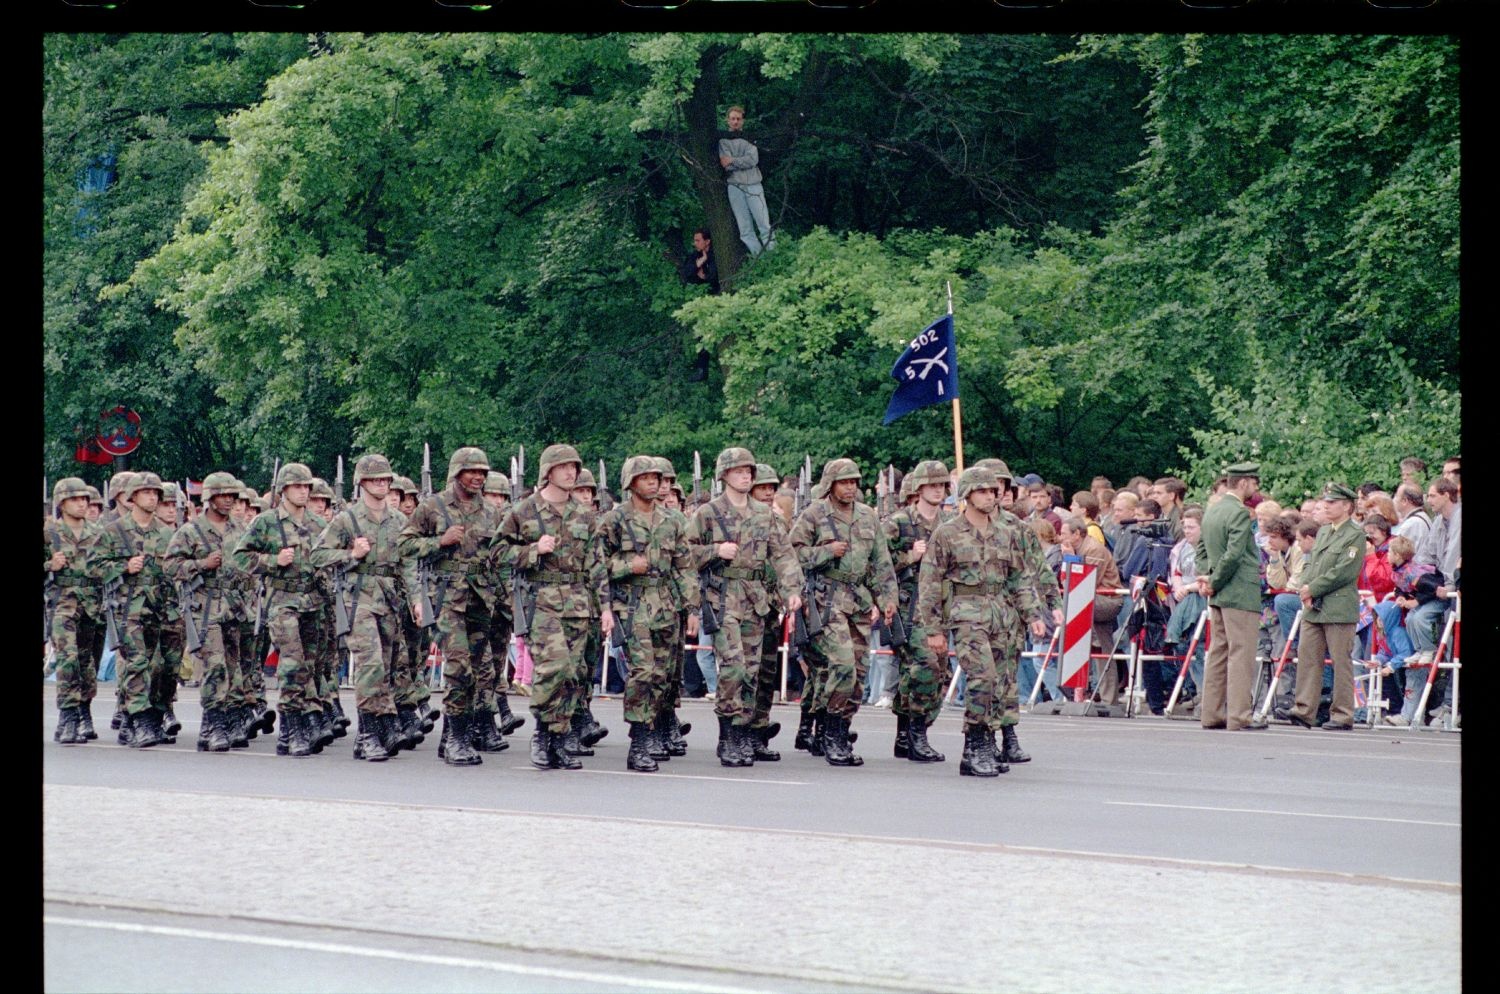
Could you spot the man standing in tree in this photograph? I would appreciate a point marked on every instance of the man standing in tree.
(747, 197)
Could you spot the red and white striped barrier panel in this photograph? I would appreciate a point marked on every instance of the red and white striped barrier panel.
(1078, 624)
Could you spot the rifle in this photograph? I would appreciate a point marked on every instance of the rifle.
(343, 614)
(47, 511)
(522, 603)
(197, 635)
(603, 480)
(51, 593)
(424, 564)
(520, 478)
(182, 504)
(275, 473)
(697, 476)
(426, 471)
(110, 603)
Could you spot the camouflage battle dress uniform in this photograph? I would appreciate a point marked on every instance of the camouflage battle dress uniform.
(73, 596)
(734, 591)
(844, 589)
(294, 607)
(245, 649)
(922, 674)
(502, 624)
(768, 677)
(671, 730)
(562, 606)
(410, 680)
(644, 603)
(152, 623)
(974, 582)
(462, 595)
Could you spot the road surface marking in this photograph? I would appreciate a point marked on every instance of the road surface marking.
(1294, 814)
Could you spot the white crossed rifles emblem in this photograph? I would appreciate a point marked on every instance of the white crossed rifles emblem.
(927, 365)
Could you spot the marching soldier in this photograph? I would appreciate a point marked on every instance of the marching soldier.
(641, 570)
(547, 539)
(973, 581)
(448, 538)
(96, 506)
(670, 731)
(768, 678)
(1330, 609)
(497, 492)
(119, 504)
(278, 545)
(842, 549)
(329, 659)
(735, 538)
(412, 693)
(362, 546)
(246, 650)
(72, 592)
(923, 675)
(590, 731)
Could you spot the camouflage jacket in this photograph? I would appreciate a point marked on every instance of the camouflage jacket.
(562, 576)
(768, 574)
(371, 581)
(80, 578)
(1043, 580)
(295, 586)
(760, 543)
(975, 577)
(195, 542)
(863, 576)
(148, 590)
(624, 532)
(461, 569)
(904, 529)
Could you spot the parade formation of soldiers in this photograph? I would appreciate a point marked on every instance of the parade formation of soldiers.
(396, 572)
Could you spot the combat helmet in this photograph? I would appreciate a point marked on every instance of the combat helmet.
(732, 458)
(977, 478)
(219, 482)
(556, 455)
(497, 483)
(403, 485)
(68, 486)
(908, 488)
(320, 488)
(764, 474)
(120, 484)
(143, 481)
(372, 466)
(468, 457)
(639, 466)
(293, 473)
(928, 471)
(998, 467)
(839, 469)
(585, 480)
(664, 466)
(169, 492)
(95, 498)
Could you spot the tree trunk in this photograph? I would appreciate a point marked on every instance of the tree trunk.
(702, 115)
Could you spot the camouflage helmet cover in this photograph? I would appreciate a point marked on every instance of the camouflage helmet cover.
(908, 487)
(219, 482)
(839, 469)
(764, 474)
(467, 457)
(977, 478)
(320, 488)
(293, 473)
(169, 491)
(928, 471)
(119, 485)
(732, 458)
(585, 479)
(996, 466)
(403, 485)
(143, 481)
(95, 497)
(639, 466)
(555, 455)
(664, 467)
(373, 466)
(497, 483)
(69, 486)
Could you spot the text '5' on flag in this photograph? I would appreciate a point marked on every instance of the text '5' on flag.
(927, 372)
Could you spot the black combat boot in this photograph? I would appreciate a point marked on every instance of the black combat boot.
(170, 726)
(760, 745)
(237, 726)
(902, 725)
(339, 718)
(1001, 765)
(743, 737)
(127, 727)
(483, 733)
(429, 715)
(146, 729)
(214, 736)
(804, 730)
(117, 720)
(639, 758)
(367, 744)
(680, 728)
(455, 747)
(284, 735)
(978, 761)
(265, 718)
(673, 733)
(656, 738)
(66, 732)
(391, 733)
(510, 722)
(1012, 751)
(559, 758)
(86, 722)
(300, 738)
(591, 731)
(411, 725)
(723, 750)
(541, 748)
(573, 740)
(819, 729)
(919, 750)
(334, 720)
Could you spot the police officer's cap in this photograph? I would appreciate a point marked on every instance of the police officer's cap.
(1336, 491)
(1243, 469)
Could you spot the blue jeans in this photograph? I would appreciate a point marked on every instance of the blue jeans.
(749, 203)
(1026, 673)
(882, 677)
(1424, 625)
(709, 667)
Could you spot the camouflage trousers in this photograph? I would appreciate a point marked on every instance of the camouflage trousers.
(985, 654)
(674, 681)
(73, 640)
(247, 683)
(143, 682)
(213, 670)
(326, 660)
(497, 645)
(649, 668)
(768, 677)
(463, 634)
(409, 681)
(298, 637)
(593, 662)
(737, 646)
(923, 677)
(373, 645)
(839, 662)
(166, 665)
(1010, 692)
(558, 649)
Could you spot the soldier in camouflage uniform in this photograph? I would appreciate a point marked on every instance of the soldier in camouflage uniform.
(547, 537)
(641, 570)
(974, 581)
(923, 674)
(195, 557)
(413, 695)
(453, 532)
(96, 506)
(497, 492)
(842, 549)
(734, 538)
(768, 680)
(247, 650)
(130, 550)
(72, 587)
(586, 492)
(669, 730)
(330, 658)
(361, 547)
(119, 504)
(278, 545)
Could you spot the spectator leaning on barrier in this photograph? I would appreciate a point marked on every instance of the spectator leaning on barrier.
(1440, 550)
(1188, 603)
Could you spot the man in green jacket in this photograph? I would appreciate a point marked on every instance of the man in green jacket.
(1229, 576)
(1330, 609)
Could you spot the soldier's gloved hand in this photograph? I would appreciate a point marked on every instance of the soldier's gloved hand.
(58, 561)
(918, 549)
(362, 547)
(728, 550)
(938, 644)
(285, 556)
(453, 536)
(135, 564)
(794, 602)
(692, 625)
(606, 622)
(838, 548)
(546, 544)
(638, 564)
(213, 560)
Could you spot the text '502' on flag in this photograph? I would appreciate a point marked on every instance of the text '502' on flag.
(926, 373)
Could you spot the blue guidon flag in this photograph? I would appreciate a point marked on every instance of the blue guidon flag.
(926, 373)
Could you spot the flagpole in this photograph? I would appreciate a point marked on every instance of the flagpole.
(958, 419)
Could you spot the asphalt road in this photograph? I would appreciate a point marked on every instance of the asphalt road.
(1132, 854)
